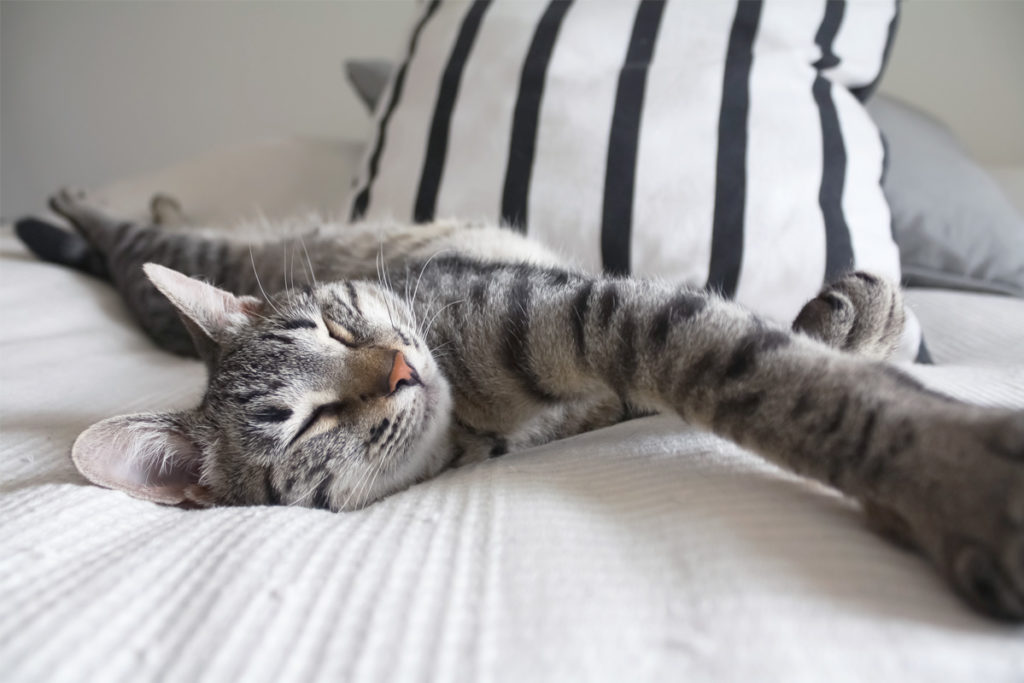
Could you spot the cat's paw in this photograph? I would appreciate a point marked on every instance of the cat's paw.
(960, 498)
(860, 313)
(68, 201)
(165, 210)
(87, 215)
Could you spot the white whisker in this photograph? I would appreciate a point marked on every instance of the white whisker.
(369, 488)
(308, 493)
(382, 279)
(439, 312)
(416, 289)
(438, 348)
(291, 262)
(260, 284)
(309, 262)
(284, 264)
(352, 490)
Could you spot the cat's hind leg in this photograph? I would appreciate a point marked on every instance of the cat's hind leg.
(860, 313)
(57, 245)
(255, 268)
(122, 246)
(76, 250)
(99, 228)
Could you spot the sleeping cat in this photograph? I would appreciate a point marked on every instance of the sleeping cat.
(356, 361)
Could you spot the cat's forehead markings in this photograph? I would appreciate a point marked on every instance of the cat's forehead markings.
(353, 297)
(348, 308)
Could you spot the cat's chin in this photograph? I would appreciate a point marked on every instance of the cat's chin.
(428, 456)
(432, 452)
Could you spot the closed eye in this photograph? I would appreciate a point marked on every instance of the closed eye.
(325, 411)
(340, 334)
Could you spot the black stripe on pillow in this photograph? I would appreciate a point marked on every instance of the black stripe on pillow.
(523, 141)
(731, 168)
(437, 143)
(620, 169)
(362, 200)
(834, 10)
(838, 247)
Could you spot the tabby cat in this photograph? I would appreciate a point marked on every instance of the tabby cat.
(358, 360)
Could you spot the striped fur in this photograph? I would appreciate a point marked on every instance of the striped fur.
(513, 349)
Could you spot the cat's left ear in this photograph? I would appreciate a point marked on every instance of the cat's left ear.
(210, 313)
(148, 456)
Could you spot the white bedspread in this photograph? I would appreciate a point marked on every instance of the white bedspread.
(648, 551)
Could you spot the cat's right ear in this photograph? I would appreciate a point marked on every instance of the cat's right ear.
(209, 313)
(148, 456)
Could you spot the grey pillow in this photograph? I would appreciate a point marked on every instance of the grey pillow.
(953, 225)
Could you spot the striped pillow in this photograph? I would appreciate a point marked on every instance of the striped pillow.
(722, 144)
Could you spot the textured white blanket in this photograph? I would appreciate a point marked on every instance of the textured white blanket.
(648, 551)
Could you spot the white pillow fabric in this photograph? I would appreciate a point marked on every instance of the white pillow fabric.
(720, 144)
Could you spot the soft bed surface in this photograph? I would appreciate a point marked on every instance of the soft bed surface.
(648, 551)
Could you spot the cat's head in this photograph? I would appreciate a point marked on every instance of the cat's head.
(326, 397)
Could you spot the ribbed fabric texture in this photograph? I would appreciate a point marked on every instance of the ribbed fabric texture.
(644, 552)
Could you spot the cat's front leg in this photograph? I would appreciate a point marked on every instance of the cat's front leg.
(950, 475)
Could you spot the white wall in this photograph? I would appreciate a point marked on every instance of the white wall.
(964, 62)
(93, 91)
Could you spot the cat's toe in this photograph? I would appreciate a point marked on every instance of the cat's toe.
(828, 317)
(860, 313)
(990, 573)
(962, 499)
(60, 201)
(67, 201)
(1007, 439)
(984, 582)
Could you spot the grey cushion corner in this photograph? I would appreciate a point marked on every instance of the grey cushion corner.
(369, 78)
(951, 221)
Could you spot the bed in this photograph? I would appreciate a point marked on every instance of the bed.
(646, 551)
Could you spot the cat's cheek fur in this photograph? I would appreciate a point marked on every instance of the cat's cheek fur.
(433, 448)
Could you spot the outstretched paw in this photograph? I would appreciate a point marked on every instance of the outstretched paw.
(960, 499)
(70, 202)
(165, 210)
(860, 313)
(87, 216)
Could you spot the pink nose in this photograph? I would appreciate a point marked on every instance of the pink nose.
(400, 372)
